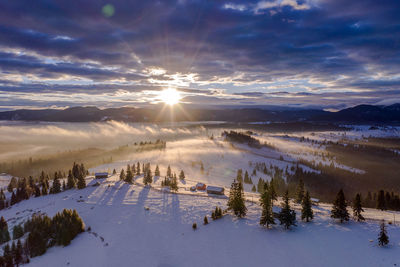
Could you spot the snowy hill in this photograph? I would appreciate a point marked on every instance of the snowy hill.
(125, 233)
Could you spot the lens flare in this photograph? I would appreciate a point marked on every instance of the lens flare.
(170, 96)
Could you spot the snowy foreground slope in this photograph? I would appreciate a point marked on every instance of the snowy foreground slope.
(125, 233)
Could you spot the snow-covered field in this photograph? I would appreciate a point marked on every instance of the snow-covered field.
(125, 233)
(133, 225)
(220, 160)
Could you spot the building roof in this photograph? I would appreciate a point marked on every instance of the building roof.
(100, 173)
(215, 188)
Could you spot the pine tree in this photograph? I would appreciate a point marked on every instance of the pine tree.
(201, 168)
(169, 172)
(18, 253)
(8, 257)
(253, 189)
(287, 216)
(81, 182)
(44, 188)
(383, 238)
(174, 184)
(246, 177)
(70, 180)
(2, 200)
(357, 208)
(115, 171)
(236, 201)
(138, 169)
(157, 171)
(300, 191)
(339, 209)
(122, 175)
(129, 175)
(37, 191)
(239, 176)
(182, 175)
(272, 191)
(267, 216)
(64, 187)
(13, 184)
(205, 220)
(260, 185)
(381, 201)
(14, 199)
(56, 185)
(4, 234)
(306, 208)
(147, 179)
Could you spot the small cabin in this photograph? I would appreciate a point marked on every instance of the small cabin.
(215, 190)
(101, 175)
(201, 186)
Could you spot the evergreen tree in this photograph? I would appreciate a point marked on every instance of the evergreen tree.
(357, 208)
(2, 200)
(306, 208)
(169, 172)
(70, 180)
(18, 253)
(81, 181)
(138, 169)
(18, 231)
(4, 234)
(246, 177)
(157, 171)
(380, 204)
(64, 187)
(174, 184)
(56, 185)
(37, 191)
(201, 168)
(129, 175)
(383, 238)
(181, 175)
(44, 188)
(236, 201)
(260, 185)
(239, 176)
(14, 199)
(147, 179)
(8, 257)
(300, 191)
(272, 191)
(287, 216)
(339, 209)
(122, 176)
(267, 215)
(115, 171)
(13, 184)
(205, 220)
(253, 189)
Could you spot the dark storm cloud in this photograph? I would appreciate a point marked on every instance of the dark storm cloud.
(336, 44)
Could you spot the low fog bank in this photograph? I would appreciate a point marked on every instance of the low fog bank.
(24, 139)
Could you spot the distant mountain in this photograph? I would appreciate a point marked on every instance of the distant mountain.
(357, 114)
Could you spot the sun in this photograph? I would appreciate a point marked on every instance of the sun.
(170, 96)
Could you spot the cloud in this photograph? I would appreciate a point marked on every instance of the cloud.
(309, 46)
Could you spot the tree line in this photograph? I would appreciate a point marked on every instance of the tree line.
(42, 233)
(22, 188)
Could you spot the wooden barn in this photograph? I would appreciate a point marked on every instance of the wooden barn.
(101, 175)
(215, 190)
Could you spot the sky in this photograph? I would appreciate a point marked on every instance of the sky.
(310, 53)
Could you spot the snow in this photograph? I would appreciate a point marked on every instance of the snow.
(133, 225)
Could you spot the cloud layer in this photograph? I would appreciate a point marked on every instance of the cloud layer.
(286, 52)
